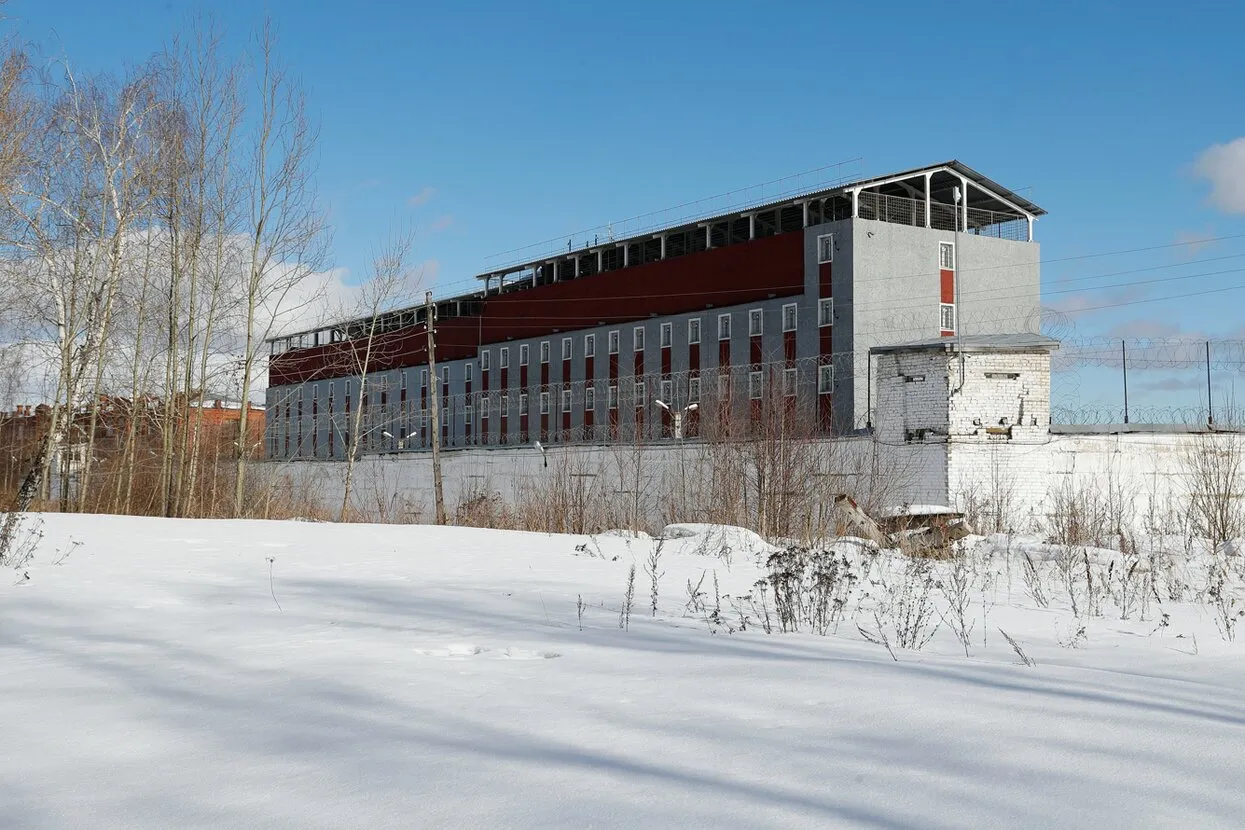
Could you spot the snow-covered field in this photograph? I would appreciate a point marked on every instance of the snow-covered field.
(439, 677)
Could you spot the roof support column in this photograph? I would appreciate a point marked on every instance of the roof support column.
(928, 178)
(1030, 218)
(663, 246)
(626, 259)
(577, 265)
(752, 226)
(855, 203)
(805, 207)
(598, 260)
(963, 218)
(708, 237)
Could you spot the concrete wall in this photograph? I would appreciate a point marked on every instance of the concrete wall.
(684, 481)
(1140, 479)
(892, 292)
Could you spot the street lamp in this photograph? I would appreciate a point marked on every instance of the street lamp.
(677, 414)
(401, 441)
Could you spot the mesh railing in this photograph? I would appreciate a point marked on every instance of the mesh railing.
(901, 210)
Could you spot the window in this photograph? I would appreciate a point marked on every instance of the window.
(566, 348)
(445, 381)
(467, 370)
(825, 379)
(590, 345)
(667, 335)
(667, 392)
(756, 322)
(467, 414)
(505, 405)
(946, 255)
(693, 331)
(544, 403)
(724, 327)
(825, 248)
(523, 403)
(638, 338)
(445, 417)
(612, 397)
(754, 385)
(423, 378)
(825, 311)
(947, 314)
(640, 393)
(788, 382)
(790, 316)
(566, 400)
(590, 398)
(503, 357)
(693, 390)
(484, 360)
(544, 351)
(613, 342)
(523, 351)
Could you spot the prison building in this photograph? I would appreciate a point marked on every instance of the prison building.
(660, 335)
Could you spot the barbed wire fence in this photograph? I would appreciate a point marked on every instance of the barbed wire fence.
(1128, 373)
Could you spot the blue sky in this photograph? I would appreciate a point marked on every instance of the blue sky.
(496, 125)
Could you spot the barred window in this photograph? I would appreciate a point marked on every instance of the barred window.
(825, 379)
(825, 311)
(790, 316)
(947, 316)
(825, 248)
(946, 255)
(754, 385)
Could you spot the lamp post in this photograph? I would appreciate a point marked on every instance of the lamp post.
(401, 441)
(677, 414)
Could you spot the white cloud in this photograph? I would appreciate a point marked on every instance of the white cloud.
(423, 197)
(1223, 165)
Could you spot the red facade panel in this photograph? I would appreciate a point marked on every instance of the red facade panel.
(947, 285)
(742, 273)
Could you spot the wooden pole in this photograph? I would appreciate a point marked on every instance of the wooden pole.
(434, 385)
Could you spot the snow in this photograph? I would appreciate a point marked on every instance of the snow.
(433, 677)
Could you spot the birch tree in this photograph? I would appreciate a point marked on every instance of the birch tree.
(390, 285)
(286, 232)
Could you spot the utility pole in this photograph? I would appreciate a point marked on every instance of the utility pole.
(434, 385)
(1124, 363)
(1210, 407)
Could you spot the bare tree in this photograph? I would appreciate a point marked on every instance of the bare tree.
(285, 228)
(1213, 464)
(390, 285)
